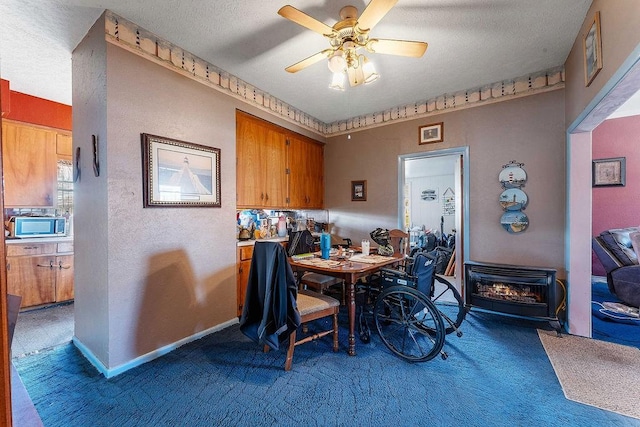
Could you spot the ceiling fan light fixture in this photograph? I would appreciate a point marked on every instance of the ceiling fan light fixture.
(337, 63)
(337, 81)
(370, 74)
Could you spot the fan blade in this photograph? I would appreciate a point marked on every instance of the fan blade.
(373, 13)
(397, 47)
(301, 18)
(309, 61)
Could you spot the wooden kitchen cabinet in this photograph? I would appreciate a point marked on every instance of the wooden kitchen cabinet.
(29, 165)
(306, 176)
(63, 267)
(261, 164)
(277, 168)
(244, 266)
(64, 145)
(42, 273)
(32, 278)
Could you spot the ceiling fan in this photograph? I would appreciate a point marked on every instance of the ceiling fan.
(349, 35)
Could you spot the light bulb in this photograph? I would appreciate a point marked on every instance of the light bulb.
(369, 70)
(337, 63)
(337, 82)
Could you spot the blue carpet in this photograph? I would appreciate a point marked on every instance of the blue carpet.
(497, 374)
(606, 329)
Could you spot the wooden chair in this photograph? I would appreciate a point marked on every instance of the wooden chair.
(302, 242)
(399, 240)
(271, 279)
(320, 283)
(313, 306)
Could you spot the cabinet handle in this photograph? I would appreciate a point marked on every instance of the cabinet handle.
(266, 197)
(48, 266)
(63, 266)
(261, 196)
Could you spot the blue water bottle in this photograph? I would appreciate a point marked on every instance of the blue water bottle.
(325, 245)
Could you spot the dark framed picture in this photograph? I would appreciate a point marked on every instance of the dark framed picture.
(179, 173)
(609, 172)
(592, 46)
(431, 133)
(358, 191)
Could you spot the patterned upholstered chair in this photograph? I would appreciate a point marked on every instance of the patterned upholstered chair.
(614, 248)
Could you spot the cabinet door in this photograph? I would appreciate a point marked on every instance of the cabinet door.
(64, 277)
(306, 179)
(33, 278)
(64, 143)
(315, 183)
(243, 278)
(244, 266)
(30, 167)
(261, 163)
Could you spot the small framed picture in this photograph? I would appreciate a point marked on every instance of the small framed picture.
(358, 191)
(609, 172)
(592, 46)
(431, 133)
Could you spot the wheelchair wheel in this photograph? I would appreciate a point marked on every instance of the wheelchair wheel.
(449, 303)
(409, 324)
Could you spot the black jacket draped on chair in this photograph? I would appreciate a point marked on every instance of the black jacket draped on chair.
(270, 314)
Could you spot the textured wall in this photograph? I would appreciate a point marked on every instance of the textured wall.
(90, 195)
(148, 278)
(620, 36)
(616, 207)
(529, 130)
(620, 39)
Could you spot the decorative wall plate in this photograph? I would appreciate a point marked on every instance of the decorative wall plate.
(513, 199)
(512, 175)
(514, 221)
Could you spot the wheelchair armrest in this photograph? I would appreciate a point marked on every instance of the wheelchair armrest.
(395, 272)
(399, 277)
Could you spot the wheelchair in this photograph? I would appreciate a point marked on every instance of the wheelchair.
(413, 309)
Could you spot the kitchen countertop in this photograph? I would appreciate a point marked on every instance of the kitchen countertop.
(272, 239)
(53, 239)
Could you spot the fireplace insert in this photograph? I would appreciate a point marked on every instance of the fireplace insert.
(516, 290)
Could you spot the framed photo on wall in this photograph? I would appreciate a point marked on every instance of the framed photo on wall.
(609, 172)
(431, 133)
(179, 173)
(358, 191)
(592, 46)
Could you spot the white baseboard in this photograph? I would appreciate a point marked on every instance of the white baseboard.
(112, 372)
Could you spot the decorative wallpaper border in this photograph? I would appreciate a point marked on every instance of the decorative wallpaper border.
(134, 38)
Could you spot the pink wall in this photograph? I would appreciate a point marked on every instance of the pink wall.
(616, 207)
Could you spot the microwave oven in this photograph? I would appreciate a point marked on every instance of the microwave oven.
(37, 226)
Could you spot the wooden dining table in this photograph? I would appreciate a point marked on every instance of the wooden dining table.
(350, 271)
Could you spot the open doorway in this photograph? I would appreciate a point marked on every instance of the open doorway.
(620, 88)
(433, 194)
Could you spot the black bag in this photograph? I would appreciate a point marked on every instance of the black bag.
(300, 242)
(442, 256)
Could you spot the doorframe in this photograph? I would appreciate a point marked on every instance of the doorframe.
(622, 84)
(462, 202)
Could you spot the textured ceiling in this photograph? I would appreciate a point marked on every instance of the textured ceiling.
(471, 43)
